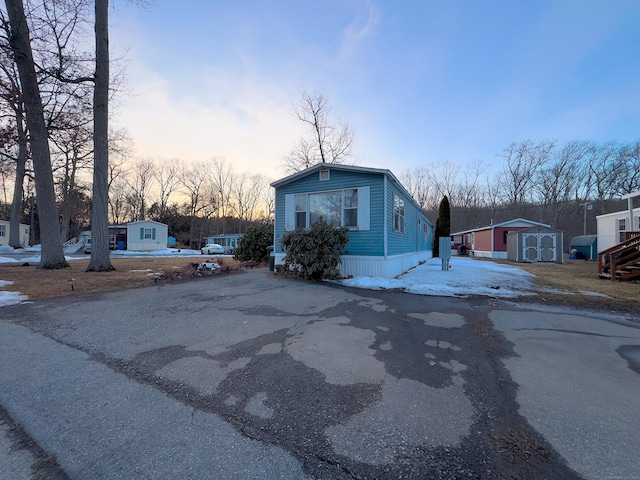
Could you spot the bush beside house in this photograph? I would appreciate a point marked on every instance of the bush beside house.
(254, 243)
(315, 253)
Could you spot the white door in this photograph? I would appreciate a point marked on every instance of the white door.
(539, 247)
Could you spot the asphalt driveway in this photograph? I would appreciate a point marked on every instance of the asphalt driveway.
(250, 376)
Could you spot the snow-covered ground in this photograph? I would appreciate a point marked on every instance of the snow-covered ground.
(465, 277)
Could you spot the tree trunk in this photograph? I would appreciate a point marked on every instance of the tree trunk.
(21, 164)
(100, 261)
(52, 255)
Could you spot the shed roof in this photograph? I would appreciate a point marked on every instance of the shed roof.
(583, 241)
(537, 229)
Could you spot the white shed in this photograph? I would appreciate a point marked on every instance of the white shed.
(536, 244)
(146, 235)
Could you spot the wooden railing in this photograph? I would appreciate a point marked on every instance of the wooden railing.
(630, 235)
(622, 261)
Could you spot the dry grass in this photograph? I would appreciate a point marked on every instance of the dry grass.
(575, 277)
(40, 284)
(574, 283)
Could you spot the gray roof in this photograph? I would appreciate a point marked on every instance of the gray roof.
(583, 241)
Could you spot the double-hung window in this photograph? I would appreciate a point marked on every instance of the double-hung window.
(147, 233)
(622, 227)
(301, 211)
(2, 230)
(398, 214)
(350, 208)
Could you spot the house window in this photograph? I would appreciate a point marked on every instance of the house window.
(398, 214)
(301, 211)
(2, 230)
(147, 233)
(425, 233)
(324, 175)
(622, 227)
(339, 208)
(350, 207)
(326, 206)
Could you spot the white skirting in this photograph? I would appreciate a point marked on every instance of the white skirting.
(365, 266)
(485, 254)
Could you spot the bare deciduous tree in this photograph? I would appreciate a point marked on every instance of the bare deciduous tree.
(219, 181)
(246, 192)
(556, 183)
(327, 141)
(419, 185)
(140, 178)
(100, 261)
(11, 97)
(167, 177)
(192, 180)
(52, 255)
(522, 161)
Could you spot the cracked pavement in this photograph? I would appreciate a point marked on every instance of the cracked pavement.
(255, 376)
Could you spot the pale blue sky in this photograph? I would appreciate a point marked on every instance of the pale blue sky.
(420, 81)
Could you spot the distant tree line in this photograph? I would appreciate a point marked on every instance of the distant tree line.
(539, 180)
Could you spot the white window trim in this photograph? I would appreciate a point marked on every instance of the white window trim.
(621, 226)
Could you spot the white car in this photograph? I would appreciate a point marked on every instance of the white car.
(212, 249)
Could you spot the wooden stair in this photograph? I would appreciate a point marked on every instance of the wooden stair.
(621, 262)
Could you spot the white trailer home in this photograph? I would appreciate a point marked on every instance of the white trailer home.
(614, 227)
(147, 235)
(25, 230)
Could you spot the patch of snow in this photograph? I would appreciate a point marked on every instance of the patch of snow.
(11, 298)
(165, 252)
(592, 294)
(466, 276)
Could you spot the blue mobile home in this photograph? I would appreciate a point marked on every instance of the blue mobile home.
(388, 234)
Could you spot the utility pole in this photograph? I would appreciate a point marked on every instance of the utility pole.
(587, 206)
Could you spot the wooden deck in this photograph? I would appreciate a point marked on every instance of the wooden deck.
(621, 262)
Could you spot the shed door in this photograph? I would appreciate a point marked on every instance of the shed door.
(539, 247)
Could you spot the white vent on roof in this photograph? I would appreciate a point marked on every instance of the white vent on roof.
(324, 175)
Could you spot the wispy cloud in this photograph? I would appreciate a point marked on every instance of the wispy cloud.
(358, 31)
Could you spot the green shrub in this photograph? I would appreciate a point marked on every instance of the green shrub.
(255, 242)
(314, 254)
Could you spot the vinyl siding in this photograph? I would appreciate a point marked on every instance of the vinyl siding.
(412, 240)
(361, 242)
